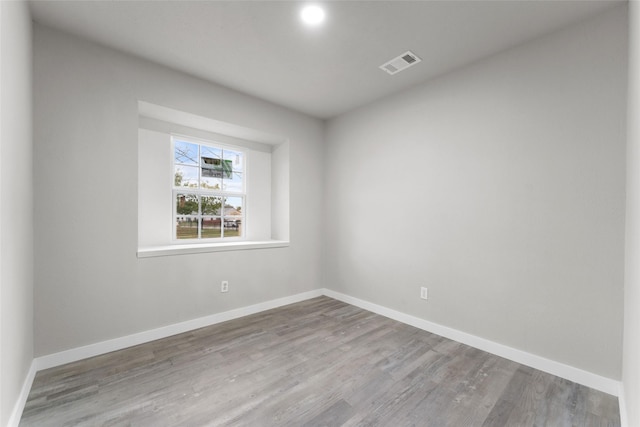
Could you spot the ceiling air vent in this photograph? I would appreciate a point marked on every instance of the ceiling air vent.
(400, 63)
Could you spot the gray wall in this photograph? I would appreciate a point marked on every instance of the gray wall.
(16, 205)
(89, 285)
(631, 350)
(500, 187)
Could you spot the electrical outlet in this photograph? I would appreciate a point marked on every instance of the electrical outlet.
(224, 286)
(423, 293)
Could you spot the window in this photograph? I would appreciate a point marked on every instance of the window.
(209, 196)
(208, 186)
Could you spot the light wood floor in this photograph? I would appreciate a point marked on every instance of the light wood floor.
(320, 362)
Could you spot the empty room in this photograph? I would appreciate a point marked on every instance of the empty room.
(339, 213)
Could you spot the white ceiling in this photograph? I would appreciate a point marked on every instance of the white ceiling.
(261, 47)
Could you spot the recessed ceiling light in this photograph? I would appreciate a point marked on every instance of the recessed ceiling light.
(312, 15)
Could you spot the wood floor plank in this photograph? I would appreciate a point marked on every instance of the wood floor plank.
(319, 362)
(499, 414)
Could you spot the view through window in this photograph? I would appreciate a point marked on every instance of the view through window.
(208, 191)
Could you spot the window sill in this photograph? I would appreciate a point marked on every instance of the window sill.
(170, 250)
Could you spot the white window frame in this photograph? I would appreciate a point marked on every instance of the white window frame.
(199, 192)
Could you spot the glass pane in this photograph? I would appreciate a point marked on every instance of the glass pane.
(233, 206)
(186, 228)
(233, 217)
(207, 151)
(211, 162)
(211, 168)
(211, 183)
(210, 205)
(186, 153)
(234, 183)
(185, 176)
(211, 228)
(232, 227)
(235, 159)
(186, 204)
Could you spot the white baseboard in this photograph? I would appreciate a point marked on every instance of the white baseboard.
(16, 414)
(570, 373)
(79, 353)
(622, 403)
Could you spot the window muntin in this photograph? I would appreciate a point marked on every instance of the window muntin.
(208, 191)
